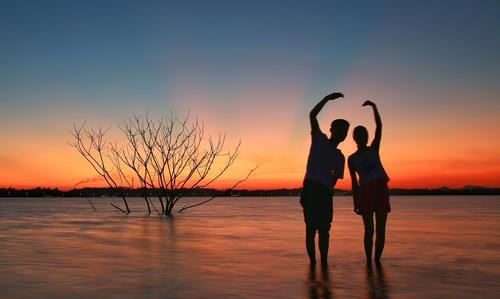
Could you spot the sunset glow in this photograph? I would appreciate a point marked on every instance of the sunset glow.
(438, 94)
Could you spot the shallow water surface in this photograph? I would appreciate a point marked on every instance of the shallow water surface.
(437, 247)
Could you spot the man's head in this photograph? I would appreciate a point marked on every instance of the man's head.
(338, 129)
(360, 135)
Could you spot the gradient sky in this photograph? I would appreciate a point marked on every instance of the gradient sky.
(254, 69)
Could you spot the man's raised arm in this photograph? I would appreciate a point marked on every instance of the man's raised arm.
(315, 111)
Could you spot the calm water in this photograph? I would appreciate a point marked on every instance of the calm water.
(437, 247)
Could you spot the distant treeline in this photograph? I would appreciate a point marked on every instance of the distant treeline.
(108, 192)
(104, 192)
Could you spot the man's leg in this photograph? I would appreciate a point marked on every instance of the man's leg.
(323, 243)
(325, 214)
(380, 241)
(310, 246)
(368, 242)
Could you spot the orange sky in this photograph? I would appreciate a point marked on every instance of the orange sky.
(453, 145)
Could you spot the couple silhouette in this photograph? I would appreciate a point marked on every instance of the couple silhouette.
(325, 165)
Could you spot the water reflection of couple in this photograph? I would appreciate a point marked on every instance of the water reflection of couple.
(325, 165)
(320, 287)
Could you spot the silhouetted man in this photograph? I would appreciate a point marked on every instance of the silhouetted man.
(325, 165)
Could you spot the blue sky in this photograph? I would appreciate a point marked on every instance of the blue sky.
(111, 50)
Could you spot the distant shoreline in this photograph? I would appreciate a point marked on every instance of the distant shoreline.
(108, 192)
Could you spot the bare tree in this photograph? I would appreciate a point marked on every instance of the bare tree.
(168, 157)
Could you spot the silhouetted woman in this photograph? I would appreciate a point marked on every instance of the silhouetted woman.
(369, 185)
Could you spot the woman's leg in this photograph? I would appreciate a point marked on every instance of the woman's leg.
(380, 242)
(368, 222)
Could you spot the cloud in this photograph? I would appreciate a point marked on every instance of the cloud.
(90, 180)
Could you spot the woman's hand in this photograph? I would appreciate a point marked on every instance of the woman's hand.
(369, 103)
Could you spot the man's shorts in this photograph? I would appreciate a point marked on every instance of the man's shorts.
(317, 203)
(374, 197)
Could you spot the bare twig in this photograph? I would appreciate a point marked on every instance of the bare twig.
(211, 198)
(95, 210)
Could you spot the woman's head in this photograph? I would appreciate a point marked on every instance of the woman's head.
(360, 135)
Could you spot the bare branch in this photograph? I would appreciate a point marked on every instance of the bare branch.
(211, 198)
(117, 207)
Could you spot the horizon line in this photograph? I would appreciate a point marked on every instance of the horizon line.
(248, 189)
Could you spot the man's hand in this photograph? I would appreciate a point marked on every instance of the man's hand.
(314, 112)
(334, 96)
(356, 203)
(369, 103)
